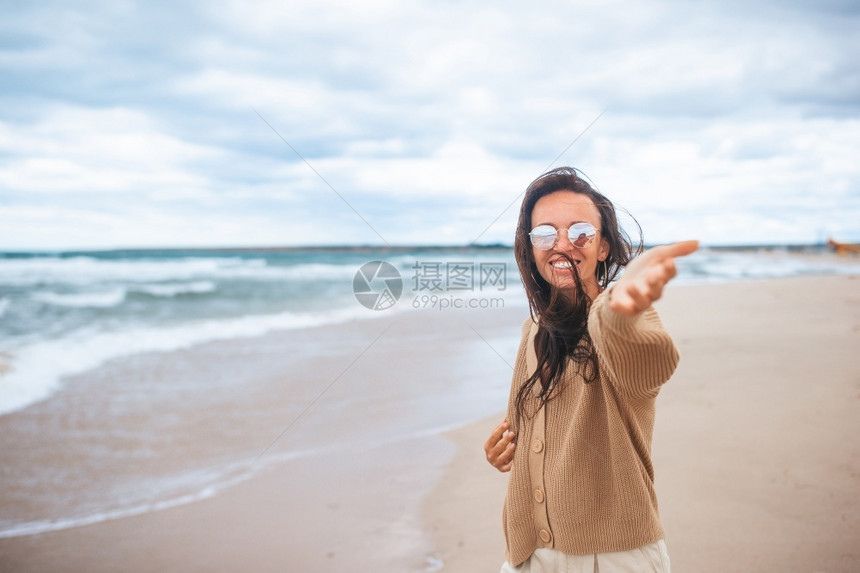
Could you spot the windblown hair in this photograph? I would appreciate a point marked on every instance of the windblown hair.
(562, 322)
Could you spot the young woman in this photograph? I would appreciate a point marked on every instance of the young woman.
(593, 355)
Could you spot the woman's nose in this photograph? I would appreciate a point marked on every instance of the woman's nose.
(563, 243)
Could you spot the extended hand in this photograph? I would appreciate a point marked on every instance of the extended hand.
(500, 447)
(645, 277)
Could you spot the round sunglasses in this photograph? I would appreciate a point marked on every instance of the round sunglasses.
(580, 235)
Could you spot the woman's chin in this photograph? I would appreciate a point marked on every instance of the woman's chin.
(562, 279)
(565, 284)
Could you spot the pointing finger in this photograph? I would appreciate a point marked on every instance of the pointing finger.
(682, 249)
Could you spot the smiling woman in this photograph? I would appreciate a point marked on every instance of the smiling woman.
(591, 362)
(571, 271)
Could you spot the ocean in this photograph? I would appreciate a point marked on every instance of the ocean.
(66, 314)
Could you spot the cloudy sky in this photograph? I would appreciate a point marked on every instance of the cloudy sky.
(125, 124)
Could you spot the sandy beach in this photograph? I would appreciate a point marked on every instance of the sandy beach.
(359, 460)
(756, 444)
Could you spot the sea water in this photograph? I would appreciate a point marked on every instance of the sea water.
(66, 313)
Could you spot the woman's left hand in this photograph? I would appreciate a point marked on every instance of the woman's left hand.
(645, 277)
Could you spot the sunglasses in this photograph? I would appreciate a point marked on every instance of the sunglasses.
(580, 235)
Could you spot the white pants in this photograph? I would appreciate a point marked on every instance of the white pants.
(649, 558)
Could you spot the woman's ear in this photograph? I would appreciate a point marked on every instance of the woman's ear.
(603, 252)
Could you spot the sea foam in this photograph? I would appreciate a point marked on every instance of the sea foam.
(35, 371)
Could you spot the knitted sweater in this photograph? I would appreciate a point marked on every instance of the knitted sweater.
(582, 480)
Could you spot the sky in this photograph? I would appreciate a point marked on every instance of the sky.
(256, 123)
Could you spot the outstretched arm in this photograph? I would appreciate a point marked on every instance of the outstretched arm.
(644, 278)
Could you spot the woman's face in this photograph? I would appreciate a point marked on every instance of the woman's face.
(561, 210)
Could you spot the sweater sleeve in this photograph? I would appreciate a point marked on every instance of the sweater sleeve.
(636, 351)
(519, 375)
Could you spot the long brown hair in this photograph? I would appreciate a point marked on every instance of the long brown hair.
(562, 322)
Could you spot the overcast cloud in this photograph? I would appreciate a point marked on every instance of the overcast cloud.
(133, 125)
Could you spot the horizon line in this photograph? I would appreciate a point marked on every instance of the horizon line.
(368, 247)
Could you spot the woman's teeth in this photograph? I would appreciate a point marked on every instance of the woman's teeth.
(561, 265)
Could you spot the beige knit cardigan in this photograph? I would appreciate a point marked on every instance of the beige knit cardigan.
(582, 480)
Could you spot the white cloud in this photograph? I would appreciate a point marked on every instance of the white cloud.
(114, 150)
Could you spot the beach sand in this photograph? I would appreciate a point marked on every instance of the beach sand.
(756, 445)
(755, 448)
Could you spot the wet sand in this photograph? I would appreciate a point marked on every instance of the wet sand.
(332, 437)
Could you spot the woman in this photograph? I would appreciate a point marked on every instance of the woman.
(577, 437)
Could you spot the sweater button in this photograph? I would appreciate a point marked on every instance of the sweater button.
(539, 496)
(545, 535)
(537, 446)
